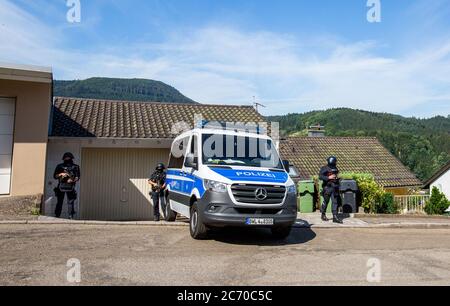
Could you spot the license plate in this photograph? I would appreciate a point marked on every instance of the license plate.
(259, 221)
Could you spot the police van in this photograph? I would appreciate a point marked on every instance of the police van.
(220, 177)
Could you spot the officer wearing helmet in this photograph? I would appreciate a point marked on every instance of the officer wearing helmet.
(331, 183)
(67, 174)
(157, 182)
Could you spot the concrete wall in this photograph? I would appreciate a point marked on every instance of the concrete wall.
(443, 184)
(33, 103)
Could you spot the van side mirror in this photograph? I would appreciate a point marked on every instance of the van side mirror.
(287, 165)
(191, 161)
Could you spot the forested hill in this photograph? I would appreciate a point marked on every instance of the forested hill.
(421, 144)
(119, 89)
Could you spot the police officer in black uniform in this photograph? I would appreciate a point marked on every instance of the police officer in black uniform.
(158, 183)
(331, 184)
(67, 174)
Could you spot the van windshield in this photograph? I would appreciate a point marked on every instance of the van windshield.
(232, 150)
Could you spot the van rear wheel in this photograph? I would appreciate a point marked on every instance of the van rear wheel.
(198, 230)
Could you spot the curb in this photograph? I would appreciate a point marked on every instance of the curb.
(374, 216)
(413, 225)
(98, 223)
(380, 226)
(182, 224)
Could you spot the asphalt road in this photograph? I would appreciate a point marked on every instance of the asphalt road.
(125, 255)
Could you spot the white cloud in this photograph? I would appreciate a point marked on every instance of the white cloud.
(226, 65)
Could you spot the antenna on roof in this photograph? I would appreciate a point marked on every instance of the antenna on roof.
(256, 105)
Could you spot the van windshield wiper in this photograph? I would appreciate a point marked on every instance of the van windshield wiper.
(219, 166)
(276, 170)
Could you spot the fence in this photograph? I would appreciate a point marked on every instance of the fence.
(412, 203)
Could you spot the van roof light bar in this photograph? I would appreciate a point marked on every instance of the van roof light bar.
(232, 126)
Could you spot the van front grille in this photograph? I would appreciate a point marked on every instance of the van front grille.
(258, 194)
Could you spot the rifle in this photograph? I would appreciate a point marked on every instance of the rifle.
(64, 184)
(337, 180)
(158, 187)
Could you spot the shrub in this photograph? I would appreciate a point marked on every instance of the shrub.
(438, 203)
(387, 205)
(373, 197)
(371, 192)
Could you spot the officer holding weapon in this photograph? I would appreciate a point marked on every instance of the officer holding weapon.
(329, 175)
(67, 174)
(158, 183)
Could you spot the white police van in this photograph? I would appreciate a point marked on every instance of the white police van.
(219, 178)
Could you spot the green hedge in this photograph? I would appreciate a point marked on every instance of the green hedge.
(374, 199)
(387, 205)
(372, 194)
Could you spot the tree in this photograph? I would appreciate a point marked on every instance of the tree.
(423, 145)
(438, 203)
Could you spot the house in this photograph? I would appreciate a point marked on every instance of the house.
(118, 144)
(441, 180)
(355, 154)
(25, 103)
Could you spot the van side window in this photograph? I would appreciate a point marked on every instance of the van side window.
(194, 146)
(178, 153)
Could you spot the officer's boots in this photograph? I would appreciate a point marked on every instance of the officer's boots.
(337, 220)
(324, 217)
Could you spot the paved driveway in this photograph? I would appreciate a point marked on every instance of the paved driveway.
(140, 255)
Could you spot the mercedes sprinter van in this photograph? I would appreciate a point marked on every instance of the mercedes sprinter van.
(221, 178)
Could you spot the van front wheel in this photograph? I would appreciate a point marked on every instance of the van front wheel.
(198, 230)
(169, 214)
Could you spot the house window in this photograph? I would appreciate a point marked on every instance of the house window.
(7, 111)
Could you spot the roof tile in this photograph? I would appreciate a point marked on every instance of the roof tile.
(355, 154)
(74, 117)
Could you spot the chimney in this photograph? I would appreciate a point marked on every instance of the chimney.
(316, 131)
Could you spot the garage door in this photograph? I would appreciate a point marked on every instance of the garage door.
(7, 110)
(114, 183)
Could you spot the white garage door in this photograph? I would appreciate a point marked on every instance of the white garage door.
(114, 183)
(7, 110)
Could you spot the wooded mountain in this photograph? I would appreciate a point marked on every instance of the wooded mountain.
(119, 89)
(421, 144)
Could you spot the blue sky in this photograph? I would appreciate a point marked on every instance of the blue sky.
(293, 55)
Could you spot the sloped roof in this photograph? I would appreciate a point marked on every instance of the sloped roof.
(437, 175)
(355, 154)
(74, 117)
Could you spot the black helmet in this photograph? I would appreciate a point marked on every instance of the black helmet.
(160, 167)
(332, 161)
(68, 155)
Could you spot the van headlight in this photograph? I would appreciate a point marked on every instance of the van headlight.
(292, 189)
(215, 186)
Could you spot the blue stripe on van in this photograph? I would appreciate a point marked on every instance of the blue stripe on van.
(253, 176)
(185, 183)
